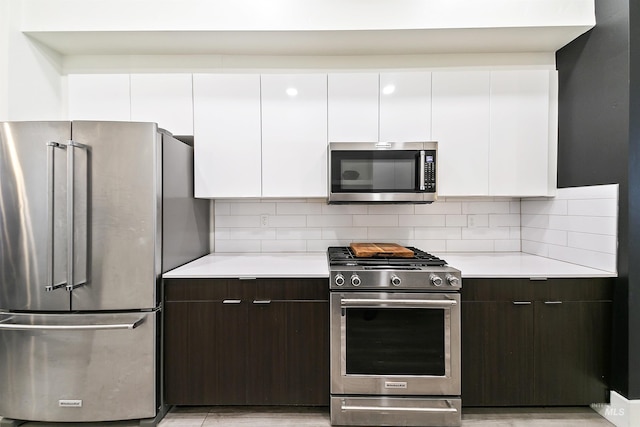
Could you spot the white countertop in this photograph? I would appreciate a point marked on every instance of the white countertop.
(314, 264)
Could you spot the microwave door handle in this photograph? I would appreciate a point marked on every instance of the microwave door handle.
(421, 173)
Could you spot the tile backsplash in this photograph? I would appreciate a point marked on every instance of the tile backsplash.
(310, 225)
(579, 226)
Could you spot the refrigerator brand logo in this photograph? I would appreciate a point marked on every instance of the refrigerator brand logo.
(395, 384)
(68, 403)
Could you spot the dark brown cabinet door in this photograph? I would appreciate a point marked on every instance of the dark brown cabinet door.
(497, 353)
(239, 342)
(571, 352)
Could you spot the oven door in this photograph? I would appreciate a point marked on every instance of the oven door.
(395, 343)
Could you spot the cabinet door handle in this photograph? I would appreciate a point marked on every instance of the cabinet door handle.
(521, 302)
(553, 302)
(231, 301)
(262, 301)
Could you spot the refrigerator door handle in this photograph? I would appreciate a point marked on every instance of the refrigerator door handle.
(51, 146)
(71, 145)
(79, 327)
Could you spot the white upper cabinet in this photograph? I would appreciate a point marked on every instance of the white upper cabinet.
(165, 99)
(405, 107)
(353, 107)
(226, 133)
(460, 124)
(521, 125)
(294, 135)
(99, 97)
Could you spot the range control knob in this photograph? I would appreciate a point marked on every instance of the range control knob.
(435, 280)
(339, 280)
(453, 280)
(395, 280)
(355, 280)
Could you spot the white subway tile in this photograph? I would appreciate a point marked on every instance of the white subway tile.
(430, 246)
(375, 220)
(439, 208)
(438, 233)
(534, 221)
(252, 233)
(514, 233)
(222, 208)
(585, 224)
(238, 245)
(221, 233)
(390, 209)
(555, 237)
(252, 208)
(287, 221)
(478, 220)
(298, 208)
(535, 248)
(485, 233)
(482, 207)
(284, 246)
(584, 257)
(514, 207)
(507, 245)
(329, 220)
(597, 207)
(551, 207)
(299, 234)
(339, 233)
(593, 242)
(607, 191)
(391, 233)
(344, 209)
(456, 221)
(504, 220)
(470, 246)
(245, 221)
(322, 245)
(421, 220)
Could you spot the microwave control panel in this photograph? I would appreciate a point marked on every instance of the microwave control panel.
(430, 171)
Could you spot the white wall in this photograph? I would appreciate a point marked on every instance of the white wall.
(30, 75)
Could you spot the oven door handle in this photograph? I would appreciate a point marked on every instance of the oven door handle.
(395, 303)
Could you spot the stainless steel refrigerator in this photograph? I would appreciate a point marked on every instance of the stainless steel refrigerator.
(91, 215)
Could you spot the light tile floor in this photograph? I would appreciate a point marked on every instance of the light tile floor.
(319, 417)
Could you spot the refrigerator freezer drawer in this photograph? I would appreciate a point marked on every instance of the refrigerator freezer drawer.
(78, 367)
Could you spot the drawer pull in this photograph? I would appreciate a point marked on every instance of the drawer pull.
(521, 302)
(231, 301)
(553, 302)
(262, 301)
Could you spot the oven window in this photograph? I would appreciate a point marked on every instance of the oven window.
(371, 171)
(395, 341)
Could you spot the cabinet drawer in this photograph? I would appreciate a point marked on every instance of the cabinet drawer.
(566, 289)
(244, 289)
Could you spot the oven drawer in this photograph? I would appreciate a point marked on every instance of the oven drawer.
(395, 411)
(395, 343)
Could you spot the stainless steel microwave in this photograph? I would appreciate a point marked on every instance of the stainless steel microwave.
(382, 172)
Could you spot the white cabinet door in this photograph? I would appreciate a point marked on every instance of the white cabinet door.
(460, 124)
(99, 97)
(519, 154)
(294, 135)
(353, 107)
(405, 106)
(227, 135)
(165, 99)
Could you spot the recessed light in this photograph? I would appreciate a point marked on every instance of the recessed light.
(292, 91)
(388, 89)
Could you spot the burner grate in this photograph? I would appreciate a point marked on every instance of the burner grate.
(343, 255)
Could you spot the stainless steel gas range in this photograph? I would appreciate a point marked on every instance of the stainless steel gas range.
(395, 340)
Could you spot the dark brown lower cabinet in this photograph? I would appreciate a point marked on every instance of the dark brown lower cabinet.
(246, 342)
(534, 343)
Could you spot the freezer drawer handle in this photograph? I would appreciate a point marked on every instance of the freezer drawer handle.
(346, 407)
(51, 146)
(19, 327)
